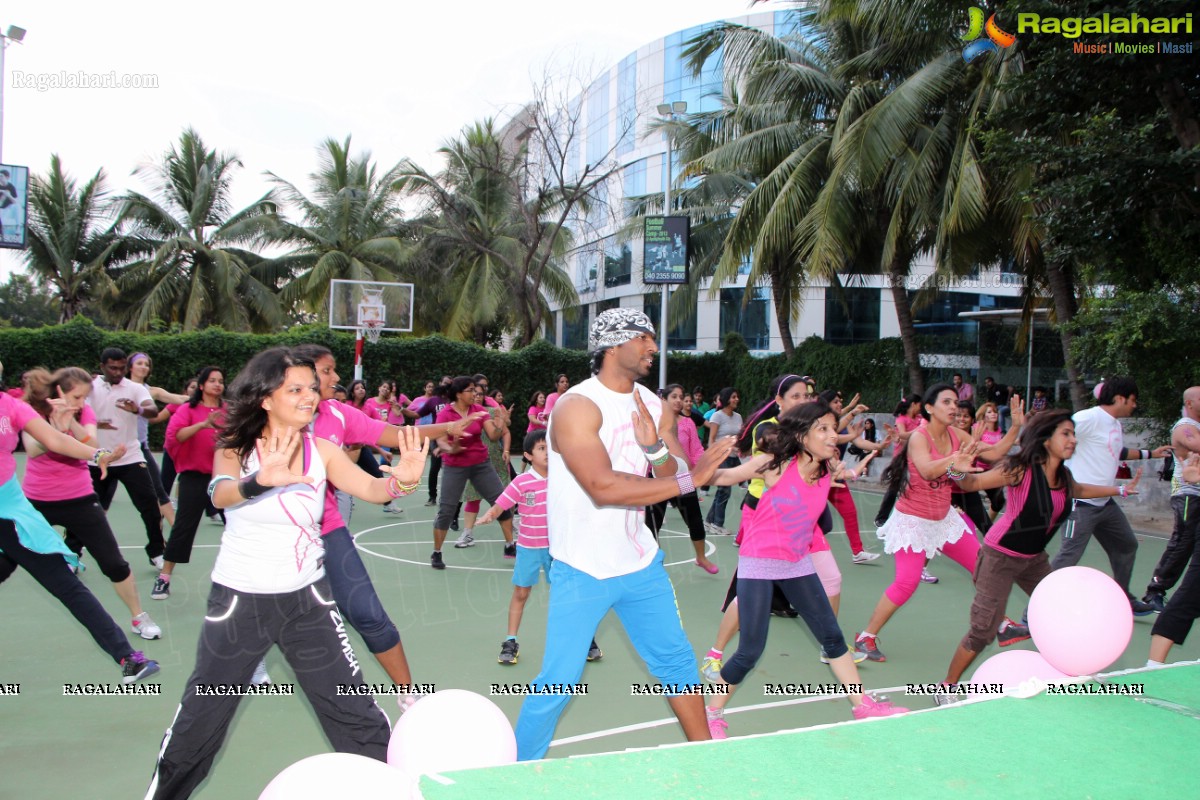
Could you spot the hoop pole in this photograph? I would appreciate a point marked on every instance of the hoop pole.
(358, 353)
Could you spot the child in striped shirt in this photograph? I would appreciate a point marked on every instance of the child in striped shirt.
(528, 491)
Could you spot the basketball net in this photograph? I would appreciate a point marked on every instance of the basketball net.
(372, 330)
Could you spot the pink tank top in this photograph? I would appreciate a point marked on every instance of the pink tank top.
(927, 499)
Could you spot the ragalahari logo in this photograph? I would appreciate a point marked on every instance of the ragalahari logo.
(995, 40)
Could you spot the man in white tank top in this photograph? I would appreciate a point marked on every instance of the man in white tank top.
(605, 435)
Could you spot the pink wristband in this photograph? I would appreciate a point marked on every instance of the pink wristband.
(684, 481)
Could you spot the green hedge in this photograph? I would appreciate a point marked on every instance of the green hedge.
(876, 369)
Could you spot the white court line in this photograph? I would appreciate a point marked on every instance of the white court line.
(657, 723)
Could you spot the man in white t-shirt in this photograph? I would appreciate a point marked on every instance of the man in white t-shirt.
(1099, 450)
(117, 403)
(605, 435)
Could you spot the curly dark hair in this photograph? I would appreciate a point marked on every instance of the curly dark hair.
(245, 417)
(794, 425)
(1033, 452)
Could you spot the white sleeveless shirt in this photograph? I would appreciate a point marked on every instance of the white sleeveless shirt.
(603, 541)
(272, 544)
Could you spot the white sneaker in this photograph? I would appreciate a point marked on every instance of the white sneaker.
(261, 678)
(145, 627)
(467, 539)
(864, 557)
(388, 508)
(157, 563)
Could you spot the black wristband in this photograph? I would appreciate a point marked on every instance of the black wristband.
(249, 487)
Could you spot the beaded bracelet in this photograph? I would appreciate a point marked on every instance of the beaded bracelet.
(954, 474)
(397, 489)
(99, 454)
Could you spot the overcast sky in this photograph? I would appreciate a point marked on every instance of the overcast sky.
(268, 81)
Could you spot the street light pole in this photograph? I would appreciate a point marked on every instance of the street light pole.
(670, 112)
(13, 34)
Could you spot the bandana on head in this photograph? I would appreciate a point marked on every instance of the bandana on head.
(616, 326)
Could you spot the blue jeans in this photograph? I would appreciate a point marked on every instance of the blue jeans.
(644, 602)
(716, 514)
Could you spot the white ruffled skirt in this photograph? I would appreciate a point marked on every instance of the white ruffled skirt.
(919, 534)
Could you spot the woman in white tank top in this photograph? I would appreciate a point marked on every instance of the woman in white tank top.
(269, 584)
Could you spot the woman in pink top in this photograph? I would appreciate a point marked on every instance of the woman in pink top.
(561, 384)
(28, 541)
(987, 432)
(191, 440)
(537, 412)
(688, 504)
(60, 487)
(923, 521)
(776, 551)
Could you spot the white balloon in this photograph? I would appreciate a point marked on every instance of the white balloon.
(332, 775)
(449, 730)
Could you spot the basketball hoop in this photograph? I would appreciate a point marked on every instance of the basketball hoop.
(372, 330)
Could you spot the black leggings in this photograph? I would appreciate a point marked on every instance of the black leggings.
(155, 475)
(87, 526)
(689, 509)
(807, 596)
(193, 501)
(56, 577)
(136, 479)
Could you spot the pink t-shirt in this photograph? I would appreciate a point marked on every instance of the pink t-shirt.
(474, 447)
(344, 425)
(14, 416)
(534, 425)
(376, 409)
(787, 513)
(51, 476)
(906, 423)
(689, 439)
(195, 454)
(528, 492)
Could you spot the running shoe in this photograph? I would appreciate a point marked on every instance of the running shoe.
(1139, 608)
(430, 503)
(467, 539)
(260, 676)
(927, 577)
(869, 645)
(510, 550)
(435, 560)
(594, 652)
(388, 508)
(947, 694)
(864, 557)
(136, 666)
(859, 656)
(1011, 633)
(717, 726)
(870, 707)
(144, 627)
(710, 668)
(161, 590)
(1156, 601)
(157, 562)
(508, 651)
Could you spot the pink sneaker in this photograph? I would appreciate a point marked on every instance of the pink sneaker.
(717, 727)
(870, 707)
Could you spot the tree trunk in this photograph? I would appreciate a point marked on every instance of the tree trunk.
(897, 280)
(1062, 290)
(783, 318)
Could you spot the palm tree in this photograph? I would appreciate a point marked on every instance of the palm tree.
(350, 228)
(501, 248)
(69, 244)
(198, 271)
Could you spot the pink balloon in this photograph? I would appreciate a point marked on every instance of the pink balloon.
(1080, 620)
(1014, 667)
(339, 775)
(451, 729)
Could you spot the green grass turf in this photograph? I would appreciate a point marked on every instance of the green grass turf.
(1063, 746)
(452, 623)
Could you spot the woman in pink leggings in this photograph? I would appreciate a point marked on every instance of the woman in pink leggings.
(923, 521)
